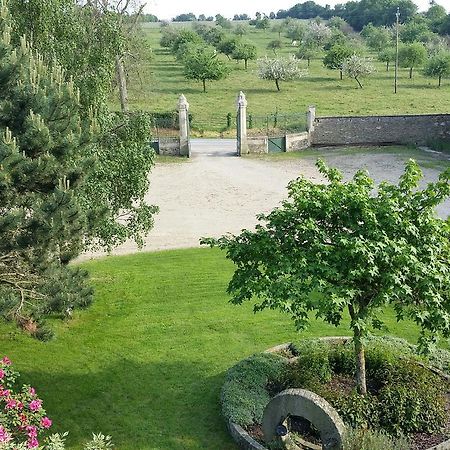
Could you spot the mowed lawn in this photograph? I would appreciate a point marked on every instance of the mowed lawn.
(146, 362)
(161, 81)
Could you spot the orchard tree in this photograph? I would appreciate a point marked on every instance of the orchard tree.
(335, 57)
(377, 38)
(240, 29)
(275, 45)
(279, 69)
(244, 51)
(278, 28)
(387, 56)
(262, 24)
(201, 63)
(438, 66)
(357, 67)
(346, 247)
(412, 55)
(228, 45)
(307, 50)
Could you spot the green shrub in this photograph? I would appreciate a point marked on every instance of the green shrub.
(245, 392)
(411, 400)
(357, 411)
(312, 366)
(373, 440)
(439, 145)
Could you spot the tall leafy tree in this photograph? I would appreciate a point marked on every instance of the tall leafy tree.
(201, 63)
(343, 247)
(335, 57)
(387, 56)
(244, 51)
(412, 55)
(438, 66)
(85, 42)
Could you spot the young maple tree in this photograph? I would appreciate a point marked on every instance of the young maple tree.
(344, 247)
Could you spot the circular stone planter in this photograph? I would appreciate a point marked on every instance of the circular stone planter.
(246, 442)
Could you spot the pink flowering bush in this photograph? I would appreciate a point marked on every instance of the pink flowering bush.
(23, 420)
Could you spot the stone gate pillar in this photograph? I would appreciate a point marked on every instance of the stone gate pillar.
(310, 118)
(242, 144)
(183, 116)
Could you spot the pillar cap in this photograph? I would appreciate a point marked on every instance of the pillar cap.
(183, 103)
(241, 100)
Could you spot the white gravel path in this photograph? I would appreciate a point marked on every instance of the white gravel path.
(216, 192)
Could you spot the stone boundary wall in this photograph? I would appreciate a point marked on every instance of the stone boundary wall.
(167, 146)
(380, 130)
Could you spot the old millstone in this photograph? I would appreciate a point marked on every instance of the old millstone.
(310, 406)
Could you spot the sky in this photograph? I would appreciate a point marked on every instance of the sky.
(166, 9)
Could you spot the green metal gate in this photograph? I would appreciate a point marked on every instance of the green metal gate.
(277, 144)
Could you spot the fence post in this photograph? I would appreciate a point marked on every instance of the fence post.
(310, 118)
(242, 144)
(183, 117)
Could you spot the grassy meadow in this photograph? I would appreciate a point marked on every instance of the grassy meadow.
(146, 362)
(161, 81)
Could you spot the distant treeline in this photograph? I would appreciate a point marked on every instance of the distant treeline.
(355, 13)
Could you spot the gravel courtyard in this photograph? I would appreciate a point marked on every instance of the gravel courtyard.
(216, 192)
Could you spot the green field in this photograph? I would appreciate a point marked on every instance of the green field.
(146, 362)
(161, 81)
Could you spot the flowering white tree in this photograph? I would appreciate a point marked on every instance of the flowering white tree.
(317, 34)
(280, 69)
(358, 67)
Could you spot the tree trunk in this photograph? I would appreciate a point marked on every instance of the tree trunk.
(361, 384)
(387, 66)
(245, 60)
(340, 72)
(122, 82)
(204, 85)
(410, 72)
(360, 85)
(360, 365)
(440, 79)
(309, 61)
(278, 85)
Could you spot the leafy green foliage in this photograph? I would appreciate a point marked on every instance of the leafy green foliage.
(363, 439)
(438, 66)
(244, 51)
(85, 42)
(412, 55)
(387, 55)
(335, 57)
(201, 63)
(245, 392)
(340, 246)
(312, 366)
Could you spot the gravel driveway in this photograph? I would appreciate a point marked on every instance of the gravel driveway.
(216, 192)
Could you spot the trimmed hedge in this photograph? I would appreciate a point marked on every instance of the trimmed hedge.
(245, 392)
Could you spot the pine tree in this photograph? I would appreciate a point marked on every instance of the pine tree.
(43, 140)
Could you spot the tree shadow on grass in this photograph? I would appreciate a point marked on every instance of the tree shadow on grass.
(161, 405)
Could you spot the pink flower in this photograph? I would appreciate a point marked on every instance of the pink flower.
(32, 431)
(32, 391)
(2, 373)
(35, 405)
(6, 361)
(11, 403)
(4, 393)
(23, 418)
(4, 435)
(46, 422)
(33, 443)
